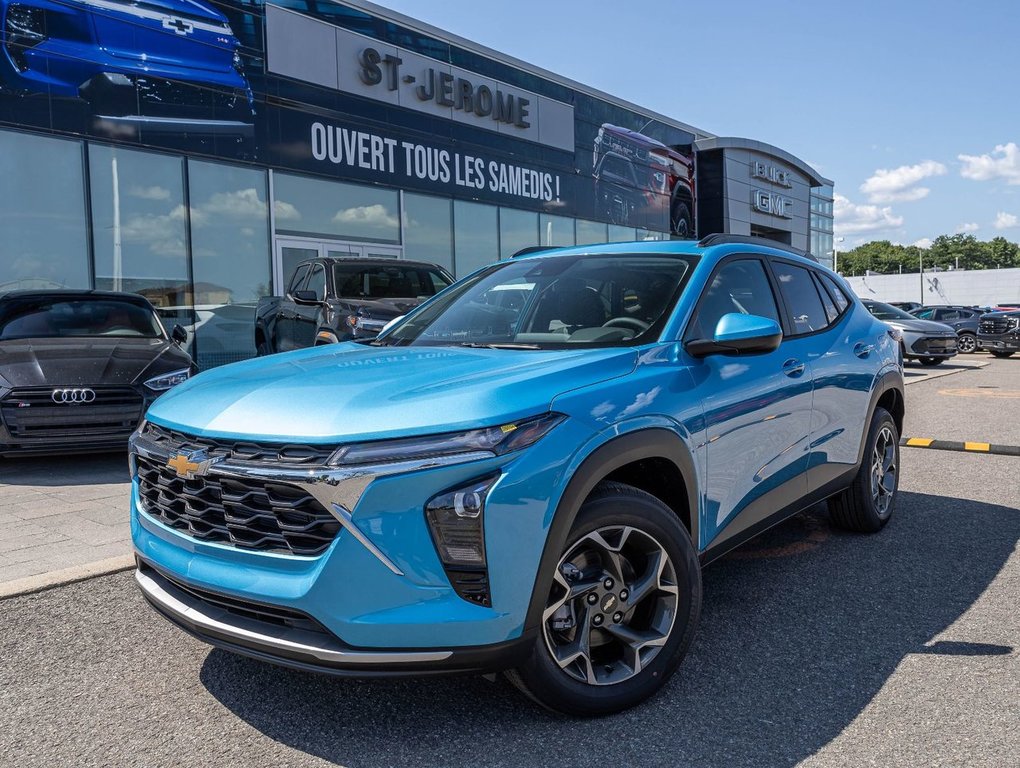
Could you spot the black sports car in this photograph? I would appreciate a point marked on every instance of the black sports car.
(78, 369)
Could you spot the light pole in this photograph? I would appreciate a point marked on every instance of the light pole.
(835, 252)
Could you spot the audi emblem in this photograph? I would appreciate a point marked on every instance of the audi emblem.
(70, 396)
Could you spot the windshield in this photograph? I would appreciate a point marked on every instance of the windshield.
(553, 302)
(355, 281)
(71, 318)
(887, 311)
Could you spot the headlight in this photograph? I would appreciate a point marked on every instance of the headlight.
(167, 380)
(493, 440)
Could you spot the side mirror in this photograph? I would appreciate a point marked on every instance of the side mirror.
(179, 335)
(305, 297)
(739, 334)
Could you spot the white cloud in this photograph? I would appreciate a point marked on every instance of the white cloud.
(149, 193)
(924, 242)
(1005, 220)
(1002, 163)
(372, 215)
(284, 211)
(896, 185)
(967, 227)
(852, 219)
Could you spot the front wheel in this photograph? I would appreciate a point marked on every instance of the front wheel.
(867, 504)
(966, 344)
(622, 608)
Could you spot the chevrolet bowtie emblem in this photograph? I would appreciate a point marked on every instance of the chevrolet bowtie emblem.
(192, 465)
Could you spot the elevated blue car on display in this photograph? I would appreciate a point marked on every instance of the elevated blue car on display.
(154, 67)
(529, 486)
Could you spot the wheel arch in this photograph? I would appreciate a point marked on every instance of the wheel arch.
(887, 393)
(652, 460)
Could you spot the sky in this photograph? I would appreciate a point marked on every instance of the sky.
(912, 107)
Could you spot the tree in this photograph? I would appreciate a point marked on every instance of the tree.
(946, 252)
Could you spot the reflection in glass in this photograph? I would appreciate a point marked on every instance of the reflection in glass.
(230, 258)
(139, 227)
(590, 232)
(314, 207)
(517, 229)
(556, 230)
(428, 231)
(476, 236)
(618, 234)
(45, 239)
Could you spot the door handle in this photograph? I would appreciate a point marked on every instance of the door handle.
(863, 350)
(793, 368)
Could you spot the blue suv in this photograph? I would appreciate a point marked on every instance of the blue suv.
(158, 67)
(526, 473)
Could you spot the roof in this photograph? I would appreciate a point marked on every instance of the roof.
(68, 293)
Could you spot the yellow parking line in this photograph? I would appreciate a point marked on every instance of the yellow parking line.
(920, 442)
(977, 447)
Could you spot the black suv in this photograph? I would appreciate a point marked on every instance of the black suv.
(999, 333)
(964, 320)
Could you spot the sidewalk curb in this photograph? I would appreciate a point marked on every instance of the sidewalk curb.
(42, 581)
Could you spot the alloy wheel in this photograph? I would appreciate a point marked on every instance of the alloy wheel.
(612, 605)
(966, 344)
(883, 471)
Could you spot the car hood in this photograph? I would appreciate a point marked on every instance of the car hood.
(922, 326)
(349, 391)
(87, 362)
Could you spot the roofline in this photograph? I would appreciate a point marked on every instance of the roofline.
(442, 34)
(734, 142)
(67, 292)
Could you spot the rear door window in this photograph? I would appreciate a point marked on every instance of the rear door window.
(807, 314)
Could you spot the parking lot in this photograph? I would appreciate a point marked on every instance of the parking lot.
(815, 647)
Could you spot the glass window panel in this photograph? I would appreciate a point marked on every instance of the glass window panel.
(331, 209)
(45, 238)
(650, 234)
(591, 232)
(230, 258)
(428, 230)
(517, 229)
(738, 286)
(475, 236)
(556, 230)
(806, 311)
(294, 272)
(618, 234)
(139, 227)
(317, 282)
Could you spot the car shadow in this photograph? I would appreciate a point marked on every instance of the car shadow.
(100, 468)
(799, 631)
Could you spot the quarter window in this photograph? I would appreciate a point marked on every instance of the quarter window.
(738, 286)
(830, 307)
(805, 306)
(842, 302)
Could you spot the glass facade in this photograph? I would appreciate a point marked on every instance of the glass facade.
(330, 209)
(822, 242)
(475, 236)
(428, 231)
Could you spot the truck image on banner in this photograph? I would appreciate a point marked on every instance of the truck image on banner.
(129, 70)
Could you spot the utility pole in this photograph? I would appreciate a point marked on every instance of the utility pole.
(920, 263)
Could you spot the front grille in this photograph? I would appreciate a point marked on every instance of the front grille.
(935, 345)
(245, 513)
(172, 441)
(270, 614)
(176, 99)
(995, 324)
(32, 417)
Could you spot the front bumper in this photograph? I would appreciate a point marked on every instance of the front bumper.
(925, 345)
(1003, 342)
(259, 632)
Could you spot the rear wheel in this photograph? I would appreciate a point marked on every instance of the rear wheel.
(622, 608)
(868, 503)
(966, 344)
(1001, 353)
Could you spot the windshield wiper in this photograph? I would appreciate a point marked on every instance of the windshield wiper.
(498, 345)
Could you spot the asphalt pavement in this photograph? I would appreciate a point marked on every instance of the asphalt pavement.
(815, 647)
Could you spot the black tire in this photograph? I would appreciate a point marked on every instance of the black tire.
(966, 344)
(680, 221)
(646, 529)
(930, 361)
(1001, 354)
(858, 508)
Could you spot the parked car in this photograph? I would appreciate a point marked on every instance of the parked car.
(928, 342)
(162, 67)
(340, 299)
(79, 368)
(963, 319)
(530, 485)
(906, 306)
(999, 333)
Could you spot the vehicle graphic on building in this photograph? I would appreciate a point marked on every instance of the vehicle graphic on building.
(138, 69)
(639, 180)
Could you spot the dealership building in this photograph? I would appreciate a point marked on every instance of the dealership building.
(195, 152)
